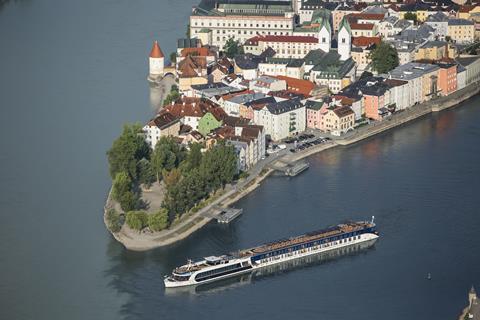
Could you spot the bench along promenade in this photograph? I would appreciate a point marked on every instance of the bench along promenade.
(141, 241)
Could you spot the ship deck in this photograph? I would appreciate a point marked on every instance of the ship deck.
(311, 236)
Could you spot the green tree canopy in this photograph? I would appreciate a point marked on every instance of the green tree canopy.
(159, 220)
(166, 156)
(146, 175)
(113, 220)
(384, 58)
(410, 16)
(219, 166)
(121, 185)
(232, 47)
(173, 96)
(126, 150)
(173, 57)
(137, 220)
(194, 157)
(129, 201)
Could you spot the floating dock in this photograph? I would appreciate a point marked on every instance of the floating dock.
(297, 168)
(290, 169)
(228, 214)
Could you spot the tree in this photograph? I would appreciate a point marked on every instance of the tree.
(129, 201)
(166, 156)
(173, 96)
(384, 58)
(193, 159)
(219, 166)
(232, 47)
(173, 57)
(137, 220)
(113, 221)
(126, 150)
(410, 16)
(121, 185)
(159, 220)
(145, 172)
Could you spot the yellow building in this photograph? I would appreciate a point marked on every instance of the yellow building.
(466, 11)
(461, 30)
(432, 50)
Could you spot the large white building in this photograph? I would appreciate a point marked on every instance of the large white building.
(240, 20)
(284, 46)
(282, 119)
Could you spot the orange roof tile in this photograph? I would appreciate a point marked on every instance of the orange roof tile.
(365, 41)
(202, 52)
(362, 26)
(156, 52)
(297, 85)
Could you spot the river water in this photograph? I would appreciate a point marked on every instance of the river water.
(72, 72)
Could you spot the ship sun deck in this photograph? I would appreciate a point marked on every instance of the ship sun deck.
(312, 236)
(202, 264)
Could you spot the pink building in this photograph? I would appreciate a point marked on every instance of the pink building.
(315, 112)
(375, 99)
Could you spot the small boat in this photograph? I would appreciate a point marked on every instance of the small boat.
(429, 276)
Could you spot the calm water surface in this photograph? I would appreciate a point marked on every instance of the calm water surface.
(72, 72)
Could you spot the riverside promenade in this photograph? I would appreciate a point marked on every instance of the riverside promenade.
(142, 241)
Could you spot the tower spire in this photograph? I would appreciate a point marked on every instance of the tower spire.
(156, 52)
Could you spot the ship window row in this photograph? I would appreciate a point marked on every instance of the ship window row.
(355, 235)
(219, 270)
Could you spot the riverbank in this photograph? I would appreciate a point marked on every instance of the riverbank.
(141, 241)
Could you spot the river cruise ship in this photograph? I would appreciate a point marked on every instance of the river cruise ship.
(214, 268)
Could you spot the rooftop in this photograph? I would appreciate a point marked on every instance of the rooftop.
(460, 22)
(284, 106)
(412, 70)
(156, 52)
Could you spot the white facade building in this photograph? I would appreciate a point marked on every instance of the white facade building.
(240, 27)
(282, 119)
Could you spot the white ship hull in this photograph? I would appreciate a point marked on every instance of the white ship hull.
(274, 260)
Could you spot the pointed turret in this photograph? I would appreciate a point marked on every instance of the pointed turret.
(156, 52)
(344, 40)
(156, 60)
(325, 35)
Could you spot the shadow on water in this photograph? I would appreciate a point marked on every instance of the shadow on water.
(4, 3)
(273, 271)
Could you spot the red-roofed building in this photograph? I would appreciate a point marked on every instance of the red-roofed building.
(284, 46)
(363, 42)
(363, 29)
(156, 60)
(164, 124)
(190, 110)
(294, 85)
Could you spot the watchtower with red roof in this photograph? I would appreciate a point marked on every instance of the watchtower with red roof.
(156, 60)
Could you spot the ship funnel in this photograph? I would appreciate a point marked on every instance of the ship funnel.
(373, 218)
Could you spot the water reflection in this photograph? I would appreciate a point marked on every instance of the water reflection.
(271, 271)
(444, 123)
(159, 91)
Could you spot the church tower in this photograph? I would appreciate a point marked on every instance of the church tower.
(344, 40)
(325, 35)
(156, 60)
